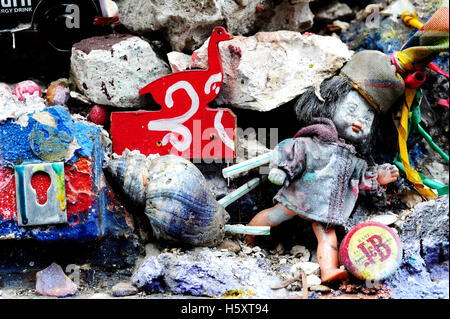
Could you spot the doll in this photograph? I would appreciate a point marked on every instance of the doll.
(319, 171)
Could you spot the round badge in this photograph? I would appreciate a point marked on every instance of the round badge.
(371, 251)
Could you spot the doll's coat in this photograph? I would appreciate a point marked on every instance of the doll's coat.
(325, 176)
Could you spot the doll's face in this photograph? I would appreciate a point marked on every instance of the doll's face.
(353, 117)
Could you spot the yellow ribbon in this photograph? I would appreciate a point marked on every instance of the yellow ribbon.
(411, 174)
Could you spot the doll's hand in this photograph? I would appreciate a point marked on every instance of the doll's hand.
(387, 173)
(277, 176)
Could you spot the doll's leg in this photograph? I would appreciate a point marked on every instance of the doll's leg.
(269, 217)
(327, 253)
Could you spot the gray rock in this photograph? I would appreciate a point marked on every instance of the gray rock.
(110, 70)
(208, 272)
(247, 18)
(53, 282)
(123, 289)
(334, 10)
(187, 24)
(149, 275)
(309, 268)
(293, 17)
(423, 272)
(300, 252)
(230, 245)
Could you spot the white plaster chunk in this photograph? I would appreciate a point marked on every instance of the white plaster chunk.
(113, 76)
(268, 69)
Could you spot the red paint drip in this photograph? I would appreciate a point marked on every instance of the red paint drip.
(79, 193)
(194, 57)
(7, 193)
(40, 182)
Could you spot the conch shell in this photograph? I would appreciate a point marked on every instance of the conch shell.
(177, 200)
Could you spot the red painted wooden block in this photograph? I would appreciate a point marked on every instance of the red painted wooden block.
(185, 126)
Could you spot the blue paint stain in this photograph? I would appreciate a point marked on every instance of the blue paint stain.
(15, 150)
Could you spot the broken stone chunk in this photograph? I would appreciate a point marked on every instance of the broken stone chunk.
(204, 272)
(269, 69)
(149, 275)
(230, 245)
(187, 24)
(110, 70)
(123, 289)
(308, 267)
(313, 280)
(335, 10)
(290, 16)
(52, 281)
(301, 252)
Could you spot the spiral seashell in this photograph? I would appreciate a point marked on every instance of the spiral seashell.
(177, 200)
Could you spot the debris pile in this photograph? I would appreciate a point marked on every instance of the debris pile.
(180, 125)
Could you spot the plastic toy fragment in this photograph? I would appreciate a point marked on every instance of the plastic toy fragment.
(238, 193)
(26, 87)
(58, 93)
(98, 115)
(248, 230)
(247, 165)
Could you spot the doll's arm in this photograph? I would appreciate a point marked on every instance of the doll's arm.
(288, 158)
(375, 178)
(277, 176)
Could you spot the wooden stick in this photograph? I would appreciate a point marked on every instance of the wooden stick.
(304, 285)
(286, 283)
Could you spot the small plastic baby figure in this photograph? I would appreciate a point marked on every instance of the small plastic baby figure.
(319, 170)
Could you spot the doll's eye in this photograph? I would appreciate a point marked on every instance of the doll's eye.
(352, 108)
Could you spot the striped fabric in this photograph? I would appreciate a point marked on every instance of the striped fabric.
(428, 42)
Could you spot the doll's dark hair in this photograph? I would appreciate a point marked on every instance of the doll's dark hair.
(332, 90)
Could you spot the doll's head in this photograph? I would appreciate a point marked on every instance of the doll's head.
(352, 115)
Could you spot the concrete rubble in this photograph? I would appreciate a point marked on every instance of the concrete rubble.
(269, 69)
(217, 272)
(111, 70)
(52, 281)
(425, 240)
(187, 24)
(115, 244)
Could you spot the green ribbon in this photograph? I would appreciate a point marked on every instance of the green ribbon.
(414, 124)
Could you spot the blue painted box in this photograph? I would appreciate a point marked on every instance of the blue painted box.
(52, 135)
